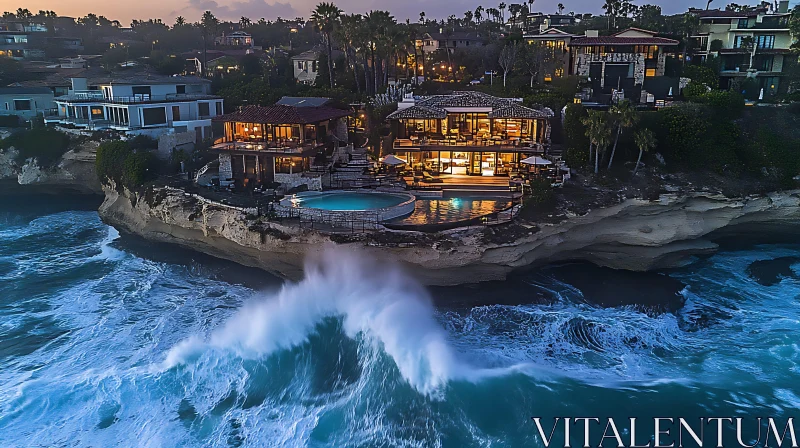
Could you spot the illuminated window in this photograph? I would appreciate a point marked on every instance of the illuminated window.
(548, 78)
(650, 72)
(559, 72)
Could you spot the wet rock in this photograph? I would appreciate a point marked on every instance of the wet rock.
(771, 272)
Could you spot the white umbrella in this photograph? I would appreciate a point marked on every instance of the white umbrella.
(536, 160)
(393, 160)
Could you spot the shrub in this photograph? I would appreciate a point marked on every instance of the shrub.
(576, 142)
(117, 161)
(728, 105)
(9, 121)
(541, 200)
(44, 144)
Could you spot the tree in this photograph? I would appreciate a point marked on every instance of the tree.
(624, 116)
(478, 14)
(326, 17)
(598, 129)
(244, 22)
(502, 8)
(508, 56)
(208, 27)
(645, 141)
(179, 21)
(535, 56)
(560, 8)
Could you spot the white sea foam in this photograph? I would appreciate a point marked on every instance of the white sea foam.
(107, 252)
(373, 298)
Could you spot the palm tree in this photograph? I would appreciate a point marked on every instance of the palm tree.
(598, 130)
(244, 22)
(208, 26)
(468, 18)
(422, 17)
(326, 17)
(502, 8)
(478, 13)
(560, 8)
(180, 21)
(624, 116)
(645, 141)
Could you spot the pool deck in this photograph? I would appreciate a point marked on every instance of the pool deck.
(458, 180)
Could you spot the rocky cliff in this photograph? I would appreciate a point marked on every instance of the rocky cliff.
(74, 173)
(635, 235)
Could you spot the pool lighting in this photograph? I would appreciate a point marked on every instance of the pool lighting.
(455, 201)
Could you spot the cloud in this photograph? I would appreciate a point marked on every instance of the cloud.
(254, 9)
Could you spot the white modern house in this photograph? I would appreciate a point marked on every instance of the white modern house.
(146, 104)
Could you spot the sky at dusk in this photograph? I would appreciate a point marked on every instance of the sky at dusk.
(125, 10)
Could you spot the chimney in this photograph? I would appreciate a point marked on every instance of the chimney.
(79, 84)
(592, 33)
(783, 6)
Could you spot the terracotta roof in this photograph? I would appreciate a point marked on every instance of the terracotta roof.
(641, 30)
(419, 112)
(613, 40)
(435, 107)
(279, 114)
(519, 111)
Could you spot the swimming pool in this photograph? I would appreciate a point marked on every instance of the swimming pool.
(367, 206)
(438, 211)
(349, 201)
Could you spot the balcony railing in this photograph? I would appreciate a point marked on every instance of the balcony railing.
(97, 97)
(266, 146)
(493, 142)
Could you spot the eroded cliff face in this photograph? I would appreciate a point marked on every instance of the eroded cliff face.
(636, 235)
(75, 172)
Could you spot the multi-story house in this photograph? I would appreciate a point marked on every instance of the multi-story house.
(277, 143)
(25, 102)
(20, 45)
(450, 41)
(468, 133)
(537, 22)
(622, 61)
(557, 42)
(753, 44)
(148, 104)
(235, 39)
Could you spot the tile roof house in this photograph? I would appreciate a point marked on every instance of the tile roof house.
(468, 133)
(621, 61)
(754, 44)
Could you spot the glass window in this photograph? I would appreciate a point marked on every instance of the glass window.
(22, 104)
(650, 72)
(203, 109)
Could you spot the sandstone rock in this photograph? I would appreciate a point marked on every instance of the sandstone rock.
(635, 235)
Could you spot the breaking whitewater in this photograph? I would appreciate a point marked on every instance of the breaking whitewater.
(116, 342)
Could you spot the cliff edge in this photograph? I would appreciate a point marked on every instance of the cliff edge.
(635, 235)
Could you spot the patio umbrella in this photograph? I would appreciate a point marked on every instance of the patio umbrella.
(536, 160)
(393, 160)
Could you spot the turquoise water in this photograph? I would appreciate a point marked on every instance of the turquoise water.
(351, 201)
(110, 341)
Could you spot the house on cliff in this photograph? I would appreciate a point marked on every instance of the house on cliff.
(278, 143)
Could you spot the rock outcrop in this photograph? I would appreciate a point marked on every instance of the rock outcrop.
(75, 171)
(636, 235)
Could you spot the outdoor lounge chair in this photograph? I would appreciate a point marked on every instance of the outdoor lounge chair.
(426, 176)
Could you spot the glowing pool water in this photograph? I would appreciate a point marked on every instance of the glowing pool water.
(350, 201)
(372, 206)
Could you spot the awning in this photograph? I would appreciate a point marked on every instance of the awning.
(536, 160)
(393, 160)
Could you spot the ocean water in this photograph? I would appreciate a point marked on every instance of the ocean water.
(111, 341)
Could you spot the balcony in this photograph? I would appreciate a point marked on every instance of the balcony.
(284, 146)
(94, 96)
(491, 143)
